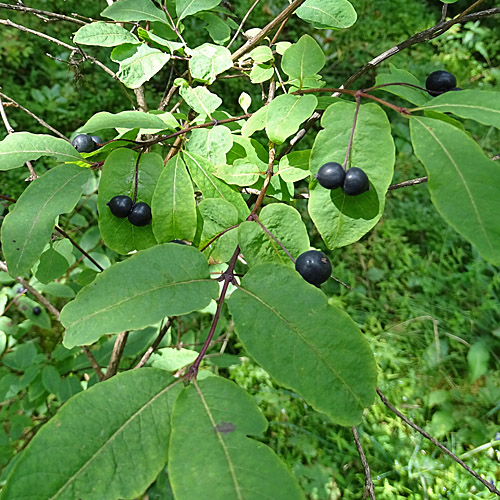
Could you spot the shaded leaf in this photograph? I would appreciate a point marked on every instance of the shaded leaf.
(213, 418)
(173, 204)
(109, 441)
(52, 265)
(29, 225)
(341, 219)
(311, 347)
(134, 10)
(463, 182)
(302, 59)
(20, 147)
(397, 75)
(186, 8)
(166, 280)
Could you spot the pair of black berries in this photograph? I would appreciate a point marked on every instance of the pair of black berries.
(439, 82)
(353, 182)
(139, 214)
(84, 143)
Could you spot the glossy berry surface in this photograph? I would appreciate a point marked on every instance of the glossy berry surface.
(140, 215)
(439, 82)
(37, 311)
(97, 141)
(331, 175)
(355, 182)
(314, 266)
(83, 143)
(120, 206)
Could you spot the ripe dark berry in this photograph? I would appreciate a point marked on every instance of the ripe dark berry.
(331, 175)
(355, 182)
(439, 82)
(140, 215)
(120, 205)
(314, 266)
(83, 143)
(97, 141)
(37, 311)
(179, 242)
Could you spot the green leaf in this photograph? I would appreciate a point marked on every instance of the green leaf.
(104, 35)
(173, 205)
(397, 75)
(208, 60)
(463, 182)
(261, 73)
(311, 347)
(285, 224)
(256, 122)
(125, 119)
(219, 31)
(286, 113)
(294, 166)
(52, 265)
(341, 219)
(261, 54)
(110, 441)
(214, 418)
(138, 63)
(20, 147)
(118, 178)
(218, 215)
(51, 379)
(302, 59)
(200, 99)
(166, 280)
(240, 173)
(203, 174)
(328, 14)
(170, 45)
(212, 143)
(171, 359)
(186, 8)
(28, 227)
(134, 10)
(482, 106)
(477, 359)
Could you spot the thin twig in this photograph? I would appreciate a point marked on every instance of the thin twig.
(411, 182)
(369, 490)
(116, 355)
(155, 344)
(53, 15)
(264, 228)
(443, 448)
(240, 27)
(217, 236)
(79, 248)
(38, 119)
(93, 363)
(254, 41)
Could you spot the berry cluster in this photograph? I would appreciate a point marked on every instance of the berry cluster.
(139, 214)
(439, 82)
(84, 143)
(353, 182)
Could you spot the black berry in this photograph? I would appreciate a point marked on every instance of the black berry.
(120, 206)
(331, 175)
(97, 141)
(314, 266)
(355, 182)
(37, 311)
(140, 215)
(439, 82)
(179, 242)
(83, 143)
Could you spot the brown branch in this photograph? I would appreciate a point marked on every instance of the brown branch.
(369, 486)
(155, 344)
(116, 355)
(253, 42)
(53, 15)
(141, 99)
(79, 248)
(411, 182)
(93, 363)
(38, 119)
(443, 448)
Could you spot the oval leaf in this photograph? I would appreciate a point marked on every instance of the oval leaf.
(28, 227)
(134, 10)
(186, 8)
(209, 60)
(166, 280)
(343, 219)
(463, 182)
(109, 441)
(309, 346)
(20, 147)
(304, 58)
(104, 35)
(213, 418)
(328, 14)
(125, 119)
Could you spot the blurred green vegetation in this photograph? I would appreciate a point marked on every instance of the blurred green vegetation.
(428, 304)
